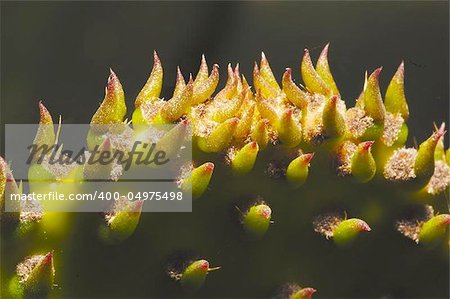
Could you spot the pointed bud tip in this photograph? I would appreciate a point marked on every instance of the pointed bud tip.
(234, 121)
(367, 145)
(334, 100)
(309, 291)
(364, 226)
(253, 145)
(209, 167)
(308, 157)
(48, 257)
(155, 57)
(441, 131)
(265, 211)
(138, 204)
(204, 265)
(376, 73)
(106, 144)
(324, 52)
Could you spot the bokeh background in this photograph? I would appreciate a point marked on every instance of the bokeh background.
(61, 52)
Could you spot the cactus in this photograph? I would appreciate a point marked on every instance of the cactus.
(248, 142)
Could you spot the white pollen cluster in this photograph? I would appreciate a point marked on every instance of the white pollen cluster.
(400, 166)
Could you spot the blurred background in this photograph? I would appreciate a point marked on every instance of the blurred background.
(61, 52)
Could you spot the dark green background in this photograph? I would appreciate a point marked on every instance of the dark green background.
(61, 52)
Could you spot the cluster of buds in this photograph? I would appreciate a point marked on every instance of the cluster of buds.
(241, 122)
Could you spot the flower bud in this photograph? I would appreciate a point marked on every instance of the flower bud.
(220, 137)
(293, 93)
(298, 169)
(174, 108)
(323, 69)
(34, 277)
(113, 109)
(434, 229)
(152, 88)
(246, 120)
(363, 164)
(262, 86)
(312, 80)
(346, 231)
(257, 220)
(204, 86)
(395, 100)
(122, 220)
(193, 277)
(260, 133)
(373, 104)
(244, 159)
(266, 109)
(266, 72)
(333, 120)
(289, 129)
(180, 84)
(424, 163)
(198, 180)
(229, 108)
(304, 293)
(46, 133)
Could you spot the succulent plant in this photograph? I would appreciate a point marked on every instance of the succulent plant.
(247, 142)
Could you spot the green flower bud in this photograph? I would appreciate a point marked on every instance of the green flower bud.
(220, 137)
(266, 72)
(113, 109)
(257, 220)
(121, 221)
(204, 86)
(177, 106)
(266, 109)
(304, 293)
(260, 133)
(424, 163)
(289, 129)
(262, 86)
(373, 103)
(333, 120)
(244, 159)
(298, 169)
(198, 180)
(293, 93)
(395, 100)
(323, 69)
(245, 123)
(311, 78)
(363, 166)
(434, 229)
(34, 277)
(193, 277)
(46, 133)
(346, 231)
(230, 107)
